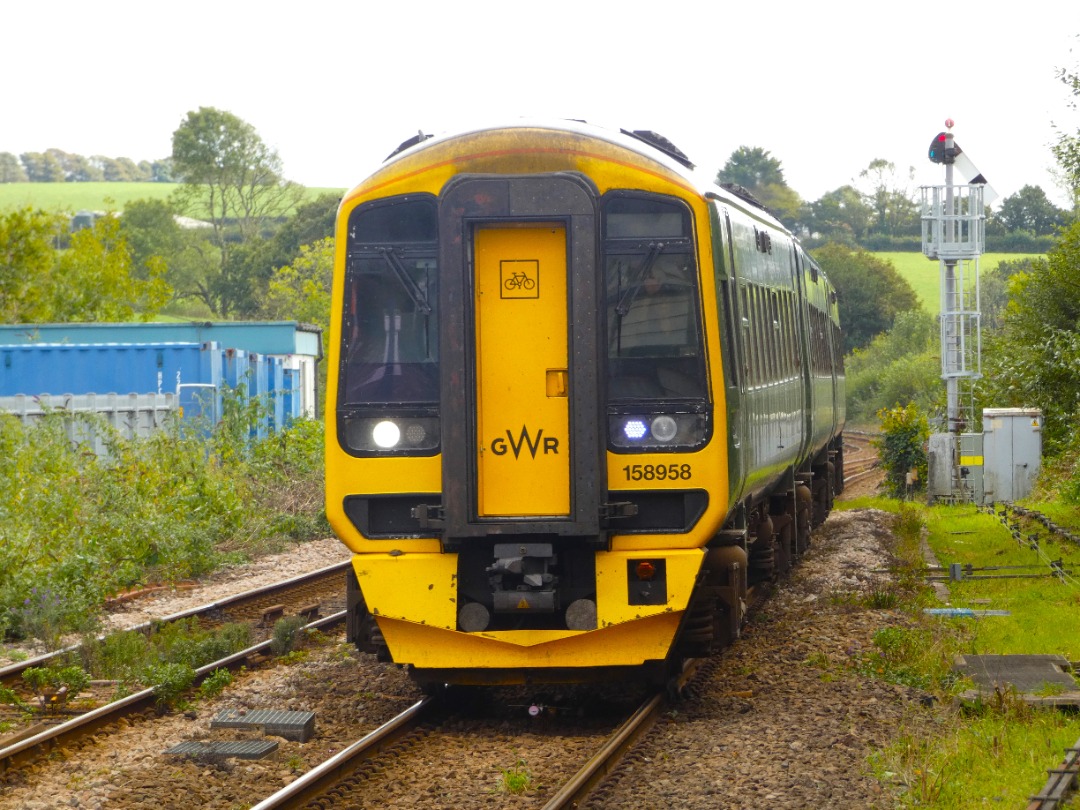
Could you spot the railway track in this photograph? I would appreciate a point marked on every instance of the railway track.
(860, 457)
(1061, 783)
(62, 734)
(307, 595)
(336, 781)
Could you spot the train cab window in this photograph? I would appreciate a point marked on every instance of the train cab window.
(390, 312)
(654, 335)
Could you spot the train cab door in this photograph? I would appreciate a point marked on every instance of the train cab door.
(522, 373)
(523, 445)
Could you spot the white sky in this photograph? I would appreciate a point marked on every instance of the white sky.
(826, 87)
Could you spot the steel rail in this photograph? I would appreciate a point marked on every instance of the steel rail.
(608, 756)
(606, 759)
(323, 777)
(1062, 780)
(10, 673)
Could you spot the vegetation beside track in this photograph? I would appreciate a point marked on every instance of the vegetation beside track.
(76, 529)
(988, 753)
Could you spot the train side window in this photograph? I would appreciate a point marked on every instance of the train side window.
(776, 336)
(749, 368)
(390, 317)
(792, 342)
(759, 338)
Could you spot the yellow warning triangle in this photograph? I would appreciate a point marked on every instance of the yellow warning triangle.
(523, 604)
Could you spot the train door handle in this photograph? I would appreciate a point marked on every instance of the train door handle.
(556, 382)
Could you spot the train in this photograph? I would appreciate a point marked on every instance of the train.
(581, 400)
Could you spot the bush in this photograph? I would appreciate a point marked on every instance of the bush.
(905, 431)
(170, 682)
(286, 633)
(214, 683)
(165, 508)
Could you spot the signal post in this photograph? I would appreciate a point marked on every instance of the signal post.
(954, 233)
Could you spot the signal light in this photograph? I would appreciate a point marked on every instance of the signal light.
(645, 570)
(940, 152)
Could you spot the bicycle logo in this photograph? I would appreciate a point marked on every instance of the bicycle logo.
(520, 278)
(519, 281)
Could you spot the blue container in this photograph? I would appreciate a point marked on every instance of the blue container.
(197, 373)
(56, 368)
(290, 394)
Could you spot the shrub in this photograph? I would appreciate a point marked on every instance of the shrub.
(170, 682)
(286, 632)
(214, 683)
(168, 507)
(902, 446)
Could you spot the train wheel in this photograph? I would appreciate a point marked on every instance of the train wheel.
(805, 503)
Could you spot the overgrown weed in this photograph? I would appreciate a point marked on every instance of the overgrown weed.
(165, 508)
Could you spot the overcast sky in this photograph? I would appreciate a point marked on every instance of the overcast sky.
(825, 87)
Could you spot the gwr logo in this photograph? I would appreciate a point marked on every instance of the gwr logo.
(501, 446)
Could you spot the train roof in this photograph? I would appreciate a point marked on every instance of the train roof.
(647, 143)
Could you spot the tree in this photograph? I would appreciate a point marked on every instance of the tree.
(994, 288)
(872, 293)
(895, 212)
(899, 366)
(233, 179)
(154, 235)
(902, 446)
(751, 168)
(81, 170)
(841, 216)
(42, 167)
(93, 280)
(762, 175)
(1034, 361)
(161, 171)
(301, 291)
(11, 170)
(1030, 210)
(1067, 149)
(26, 260)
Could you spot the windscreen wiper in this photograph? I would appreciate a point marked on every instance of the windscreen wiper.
(415, 293)
(627, 300)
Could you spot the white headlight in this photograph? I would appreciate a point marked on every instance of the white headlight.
(664, 428)
(386, 435)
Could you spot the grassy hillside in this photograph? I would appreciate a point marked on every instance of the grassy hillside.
(92, 196)
(923, 274)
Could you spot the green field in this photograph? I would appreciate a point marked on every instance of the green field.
(923, 274)
(72, 197)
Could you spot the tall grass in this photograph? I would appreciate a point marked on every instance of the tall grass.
(993, 753)
(76, 529)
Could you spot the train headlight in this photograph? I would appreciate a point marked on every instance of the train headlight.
(407, 435)
(667, 431)
(635, 429)
(664, 428)
(386, 435)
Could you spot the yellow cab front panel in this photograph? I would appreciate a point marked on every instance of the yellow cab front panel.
(548, 526)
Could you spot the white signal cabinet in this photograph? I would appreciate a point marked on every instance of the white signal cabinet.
(1012, 450)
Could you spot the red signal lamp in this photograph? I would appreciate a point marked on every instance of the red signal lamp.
(645, 570)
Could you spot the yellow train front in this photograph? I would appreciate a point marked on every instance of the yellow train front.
(528, 447)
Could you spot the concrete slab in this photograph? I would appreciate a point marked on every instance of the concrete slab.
(1039, 679)
(247, 749)
(296, 726)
